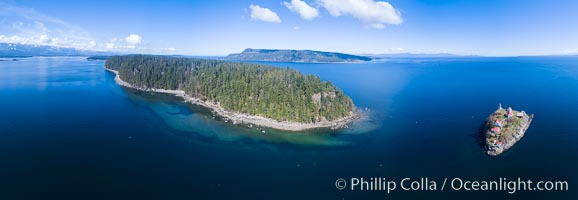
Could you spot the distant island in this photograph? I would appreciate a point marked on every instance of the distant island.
(279, 98)
(8, 60)
(504, 128)
(97, 58)
(282, 55)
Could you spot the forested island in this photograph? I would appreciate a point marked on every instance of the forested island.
(504, 128)
(279, 98)
(282, 55)
(93, 58)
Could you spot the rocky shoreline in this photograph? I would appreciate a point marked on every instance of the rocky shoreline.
(504, 128)
(241, 118)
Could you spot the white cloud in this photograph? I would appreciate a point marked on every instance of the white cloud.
(297, 28)
(375, 14)
(34, 27)
(305, 10)
(130, 42)
(12, 39)
(40, 40)
(169, 50)
(113, 45)
(263, 14)
(44, 39)
(26, 25)
(396, 50)
(133, 39)
(110, 45)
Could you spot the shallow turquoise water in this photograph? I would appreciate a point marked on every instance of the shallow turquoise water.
(67, 130)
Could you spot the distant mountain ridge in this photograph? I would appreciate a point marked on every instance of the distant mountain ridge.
(286, 55)
(16, 49)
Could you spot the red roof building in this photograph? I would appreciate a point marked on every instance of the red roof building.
(498, 123)
(509, 113)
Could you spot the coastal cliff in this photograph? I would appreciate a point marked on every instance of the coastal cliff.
(239, 92)
(503, 128)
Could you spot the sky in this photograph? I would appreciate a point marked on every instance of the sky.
(221, 27)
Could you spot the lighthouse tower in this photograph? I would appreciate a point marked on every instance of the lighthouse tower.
(500, 107)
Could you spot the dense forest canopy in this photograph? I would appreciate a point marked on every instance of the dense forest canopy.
(282, 94)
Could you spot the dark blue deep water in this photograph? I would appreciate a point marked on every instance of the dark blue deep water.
(68, 131)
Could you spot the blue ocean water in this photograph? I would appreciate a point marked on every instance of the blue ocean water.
(67, 130)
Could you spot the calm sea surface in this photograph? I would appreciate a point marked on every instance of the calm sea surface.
(67, 130)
